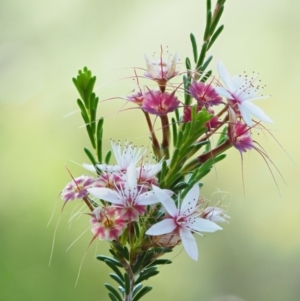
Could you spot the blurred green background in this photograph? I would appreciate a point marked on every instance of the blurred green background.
(43, 44)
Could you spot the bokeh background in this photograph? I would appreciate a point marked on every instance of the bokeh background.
(42, 45)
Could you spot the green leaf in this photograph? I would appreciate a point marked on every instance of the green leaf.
(117, 279)
(216, 19)
(114, 268)
(112, 260)
(206, 76)
(205, 64)
(90, 156)
(202, 55)
(174, 158)
(122, 251)
(188, 64)
(207, 27)
(174, 130)
(107, 157)
(146, 274)
(180, 186)
(187, 96)
(136, 229)
(142, 292)
(161, 262)
(127, 284)
(194, 46)
(136, 289)
(137, 266)
(177, 115)
(82, 108)
(113, 291)
(112, 297)
(214, 37)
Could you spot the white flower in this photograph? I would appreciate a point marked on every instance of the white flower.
(183, 220)
(129, 155)
(161, 69)
(241, 92)
(130, 200)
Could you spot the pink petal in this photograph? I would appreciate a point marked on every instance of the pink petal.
(166, 200)
(165, 226)
(189, 243)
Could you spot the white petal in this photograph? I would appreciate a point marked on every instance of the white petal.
(204, 225)
(131, 180)
(189, 243)
(166, 200)
(105, 194)
(246, 115)
(108, 168)
(225, 76)
(190, 201)
(223, 92)
(256, 111)
(89, 167)
(147, 198)
(165, 226)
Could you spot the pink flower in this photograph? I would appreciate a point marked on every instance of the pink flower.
(205, 95)
(77, 189)
(107, 223)
(137, 98)
(240, 92)
(130, 200)
(109, 180)
(161, 70)
(183, 221)
(160, 103)
(239, 133)
(147, 174)
(214, 214)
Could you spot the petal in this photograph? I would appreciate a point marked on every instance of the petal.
(190, 201)
(108, 168)
(131, 179)
(165, 226)
(204, 225)
(225, 76)
(166, 200)
(147, 198)
(106, 194)
(189, 243)
(89, 167)
(246, 115)
(256, 111)
(223, 92)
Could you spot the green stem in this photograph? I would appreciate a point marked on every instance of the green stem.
(216, 151)
(155, 143)
(166, 136)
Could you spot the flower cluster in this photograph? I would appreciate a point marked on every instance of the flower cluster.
(146, 207)
(128, 196)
